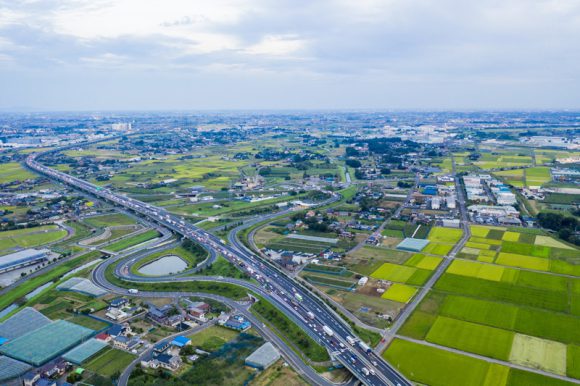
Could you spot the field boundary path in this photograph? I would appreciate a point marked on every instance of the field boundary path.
(406, 312)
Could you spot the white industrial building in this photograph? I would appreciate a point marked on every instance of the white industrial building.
(23, 259)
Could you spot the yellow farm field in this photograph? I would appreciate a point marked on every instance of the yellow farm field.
(400, 293)
(474, 269)
(547, 241)
(523, 261)
(539, 353)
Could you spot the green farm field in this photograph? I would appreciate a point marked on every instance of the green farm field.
(212, 338)
(522, 317)
(110, 362)
(442, 368)
(13, 171)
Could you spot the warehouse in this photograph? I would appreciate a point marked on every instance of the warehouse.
(23, 259)
(263, 357)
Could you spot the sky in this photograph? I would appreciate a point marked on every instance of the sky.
(71, 55)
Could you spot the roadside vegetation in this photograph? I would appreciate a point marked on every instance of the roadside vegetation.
(290, 331)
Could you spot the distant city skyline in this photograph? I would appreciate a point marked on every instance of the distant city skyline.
(261, 55)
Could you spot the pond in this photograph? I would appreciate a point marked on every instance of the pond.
(164, 266)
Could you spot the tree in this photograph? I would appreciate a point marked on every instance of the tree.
(353, 163)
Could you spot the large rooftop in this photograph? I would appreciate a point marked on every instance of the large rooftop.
(21, 257)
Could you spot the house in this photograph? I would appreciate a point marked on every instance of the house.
(121, 342)
(170, 362)
(118, 302)
(30, 378)
(117, 330)
(160, 348)
(126, 343)
(198, 311)
(161, 314)
(55, 370)
(238, 323)
(116, 314)
(174, 320)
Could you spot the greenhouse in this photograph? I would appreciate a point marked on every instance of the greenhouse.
(46, 342)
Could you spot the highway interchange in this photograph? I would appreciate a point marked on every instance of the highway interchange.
(327, 327)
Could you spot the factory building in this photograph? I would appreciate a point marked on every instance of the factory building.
(23, 259)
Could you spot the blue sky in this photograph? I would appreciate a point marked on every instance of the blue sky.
(289, 54)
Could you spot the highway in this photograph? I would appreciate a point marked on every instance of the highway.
(311, 313)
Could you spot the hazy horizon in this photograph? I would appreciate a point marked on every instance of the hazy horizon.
(179, 55)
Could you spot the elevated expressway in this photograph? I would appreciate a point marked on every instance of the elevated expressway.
(274, 285)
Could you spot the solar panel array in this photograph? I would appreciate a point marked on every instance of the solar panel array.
(46, 342)
(85, 286)
(11, 368)
(84, 351)
(23, 322)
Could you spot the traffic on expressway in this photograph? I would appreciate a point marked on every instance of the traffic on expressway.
(307, 310)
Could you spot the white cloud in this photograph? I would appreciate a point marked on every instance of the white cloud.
(386, 42)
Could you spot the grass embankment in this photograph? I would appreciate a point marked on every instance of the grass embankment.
(54, 274)
(290, 331)
(133, 240)
(224, 289)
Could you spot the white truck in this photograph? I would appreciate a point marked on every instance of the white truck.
(365, 371)
(133, 291)
(310, 315)
(351, 340)
(327, 330)
(365, 347)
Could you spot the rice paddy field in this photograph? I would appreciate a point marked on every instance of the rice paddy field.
(489, 161)
(529, 177)
(13, 171)
(505, 304)
(538, 252)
